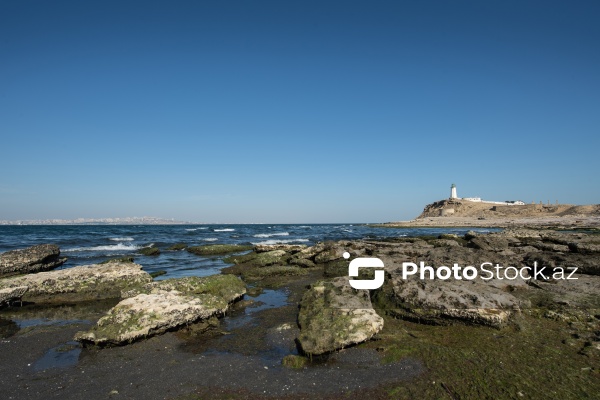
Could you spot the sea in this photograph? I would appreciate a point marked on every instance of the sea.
(91, 244)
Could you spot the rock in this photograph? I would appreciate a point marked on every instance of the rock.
(471, 235)
(122, 259)
(584, 248)
(585, 264)
(259, 259)
(226, 286)
(444, 243)
(43, 257)
(550, 247)
(163, 306)
(9, 295)
(149, 251)
(218, 249)
(443, 301)
(333, 315)
(147, 315)
(489, 242)
(288, 248)
(302, 262)
(177, 246)
(294, 361)
(89, 282)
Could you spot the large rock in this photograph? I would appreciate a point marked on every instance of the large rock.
(88, 282)
(333, 315)
(261, 259)
(8, 295)
(164, 306)
(43, 257)
(443, 301)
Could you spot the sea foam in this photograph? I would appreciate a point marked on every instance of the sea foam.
(224, 230)
(266, 235)
(119, 246)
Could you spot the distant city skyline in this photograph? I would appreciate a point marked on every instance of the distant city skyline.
(294, 112)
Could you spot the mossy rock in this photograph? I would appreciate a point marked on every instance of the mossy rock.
(122, 259)
(218, 249)
(157, 273)
(294, 361)
(260, 259)
(149, 251)
(226, 286)
(177, 246)
(275, 270)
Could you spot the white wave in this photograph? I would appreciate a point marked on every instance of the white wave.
(304, 226)
(284, 241)
(347, 230)
(192, 229)
(122, 239)
(211, 239)
(119, 246)
(224, 230)
(266, 235)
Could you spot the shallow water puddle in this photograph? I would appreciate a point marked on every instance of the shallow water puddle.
(61, 356)
(266, 300)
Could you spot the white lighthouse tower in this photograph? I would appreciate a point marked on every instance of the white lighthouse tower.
(453, 192)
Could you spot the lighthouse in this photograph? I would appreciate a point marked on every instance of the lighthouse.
(453, 192)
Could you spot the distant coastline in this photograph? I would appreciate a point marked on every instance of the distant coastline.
(99, 221)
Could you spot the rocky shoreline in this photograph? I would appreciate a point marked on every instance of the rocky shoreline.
(324, 320)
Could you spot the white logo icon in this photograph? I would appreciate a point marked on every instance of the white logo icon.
(365, 262)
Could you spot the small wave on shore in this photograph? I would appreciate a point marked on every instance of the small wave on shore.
(119, 246)
(266, 235)
(122, 239)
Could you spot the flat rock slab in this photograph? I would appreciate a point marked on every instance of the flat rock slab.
(11, 294)
(333, 315)
(157, 307)
(43, 257)
(147, 315)
(443, 301)
(83, 283)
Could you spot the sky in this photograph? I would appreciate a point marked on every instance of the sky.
(294, 111)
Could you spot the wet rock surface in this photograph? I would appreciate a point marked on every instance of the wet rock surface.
(82, 283)
(160, 306)
(43, 257)
(333, 315)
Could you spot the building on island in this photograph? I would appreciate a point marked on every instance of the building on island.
(453, 196)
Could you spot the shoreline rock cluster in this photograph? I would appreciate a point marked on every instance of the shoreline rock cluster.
(331, 314)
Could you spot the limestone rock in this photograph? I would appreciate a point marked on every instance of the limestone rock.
(289, 248)
(43, 257)
(333, 315)
(161, 306)
(88, 282)
(443, 301)
(10, 294)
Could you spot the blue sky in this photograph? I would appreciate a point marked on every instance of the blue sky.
(280, 111)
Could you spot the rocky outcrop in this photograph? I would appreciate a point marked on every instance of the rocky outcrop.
(8, 295)
(43, 257)
(444, 301)
(161, 306)
(333, 315)
(89, 282)
(218, 249)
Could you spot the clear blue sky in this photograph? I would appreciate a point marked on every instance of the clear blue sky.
(294, 111)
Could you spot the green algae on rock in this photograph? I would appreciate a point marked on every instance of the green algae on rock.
(161, 306)
(333, 315)
(82, 283)
(218, 249)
